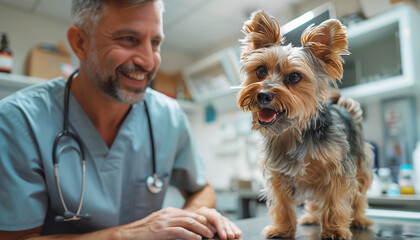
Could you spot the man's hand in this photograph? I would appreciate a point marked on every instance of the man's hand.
(202, 203)
(173, 223)
(223, 226)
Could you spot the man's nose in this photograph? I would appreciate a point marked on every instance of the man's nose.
(145, 56)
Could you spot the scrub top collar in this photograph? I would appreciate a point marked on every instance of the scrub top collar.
(80, 123)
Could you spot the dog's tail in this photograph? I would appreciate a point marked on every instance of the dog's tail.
(351, 105)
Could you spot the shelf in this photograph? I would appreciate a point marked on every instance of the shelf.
(10, 83)
(15, 80)
(398, 202)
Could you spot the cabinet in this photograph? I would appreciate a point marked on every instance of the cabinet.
(213, 76)
(385, 54)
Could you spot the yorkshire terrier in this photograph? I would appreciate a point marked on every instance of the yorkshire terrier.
(313, 140)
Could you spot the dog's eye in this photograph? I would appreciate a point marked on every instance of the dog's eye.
(294, 78)
(261, 72)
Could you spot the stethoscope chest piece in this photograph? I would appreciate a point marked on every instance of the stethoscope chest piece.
(154, 184)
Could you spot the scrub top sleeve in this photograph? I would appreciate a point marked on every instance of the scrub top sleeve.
(189, 170)
(23, 195)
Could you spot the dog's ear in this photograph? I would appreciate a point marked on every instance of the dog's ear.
(327, 42)
(261, 30)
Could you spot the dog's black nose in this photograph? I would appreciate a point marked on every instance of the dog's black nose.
(264, 96)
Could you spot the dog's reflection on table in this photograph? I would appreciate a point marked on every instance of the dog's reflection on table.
(312, 232)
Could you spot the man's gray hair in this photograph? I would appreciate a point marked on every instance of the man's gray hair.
(86, 13)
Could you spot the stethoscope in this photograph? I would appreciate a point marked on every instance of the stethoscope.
(154, 183)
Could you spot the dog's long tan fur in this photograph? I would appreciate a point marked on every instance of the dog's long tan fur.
(314, 148)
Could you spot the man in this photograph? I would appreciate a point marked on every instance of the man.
(109, 105)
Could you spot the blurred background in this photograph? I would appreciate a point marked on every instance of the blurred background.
(200, 65)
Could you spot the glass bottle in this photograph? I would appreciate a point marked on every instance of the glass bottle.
(6, 56)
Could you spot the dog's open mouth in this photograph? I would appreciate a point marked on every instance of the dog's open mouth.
(268, 116)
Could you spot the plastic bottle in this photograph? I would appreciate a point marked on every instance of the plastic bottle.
(416, 167)
(405, 179)
(6, 56)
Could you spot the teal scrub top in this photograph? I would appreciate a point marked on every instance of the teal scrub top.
(116, 191)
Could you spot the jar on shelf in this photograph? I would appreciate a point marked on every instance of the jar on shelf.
(405, 179)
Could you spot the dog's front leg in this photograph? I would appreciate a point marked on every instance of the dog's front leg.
(281, 208)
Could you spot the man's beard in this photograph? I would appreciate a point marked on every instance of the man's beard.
(108, 82)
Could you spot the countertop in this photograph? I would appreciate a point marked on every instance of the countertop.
(384, 228)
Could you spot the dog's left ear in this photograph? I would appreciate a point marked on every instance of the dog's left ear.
(327, 42)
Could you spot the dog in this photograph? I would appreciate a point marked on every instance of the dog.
(313, 140)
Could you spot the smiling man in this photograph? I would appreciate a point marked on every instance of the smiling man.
(128, 134)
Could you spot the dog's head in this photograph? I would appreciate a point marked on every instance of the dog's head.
(284, 86)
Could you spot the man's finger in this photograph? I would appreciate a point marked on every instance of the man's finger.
(191, 224)
(176, 213)
(236, 230)
(179, 233)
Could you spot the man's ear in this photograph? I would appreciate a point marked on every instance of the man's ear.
(261, 30)
(78, 41)
(327, 42)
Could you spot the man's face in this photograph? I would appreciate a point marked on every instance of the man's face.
(124, 54)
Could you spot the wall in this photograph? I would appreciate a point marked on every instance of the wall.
(26, 30)
(174, 61)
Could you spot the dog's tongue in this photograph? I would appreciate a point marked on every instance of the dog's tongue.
(266, 115)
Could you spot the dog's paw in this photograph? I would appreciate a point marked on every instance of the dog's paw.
(361, 223)
(336, 234)
(275, 232)
(308, 219)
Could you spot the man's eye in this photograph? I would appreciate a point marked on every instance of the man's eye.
(155, 42)
(128, 38)
(261, 72)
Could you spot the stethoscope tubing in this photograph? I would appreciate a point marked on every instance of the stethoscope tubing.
(154, 183)
(152, 141)
(65, 133)
(60, 193)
